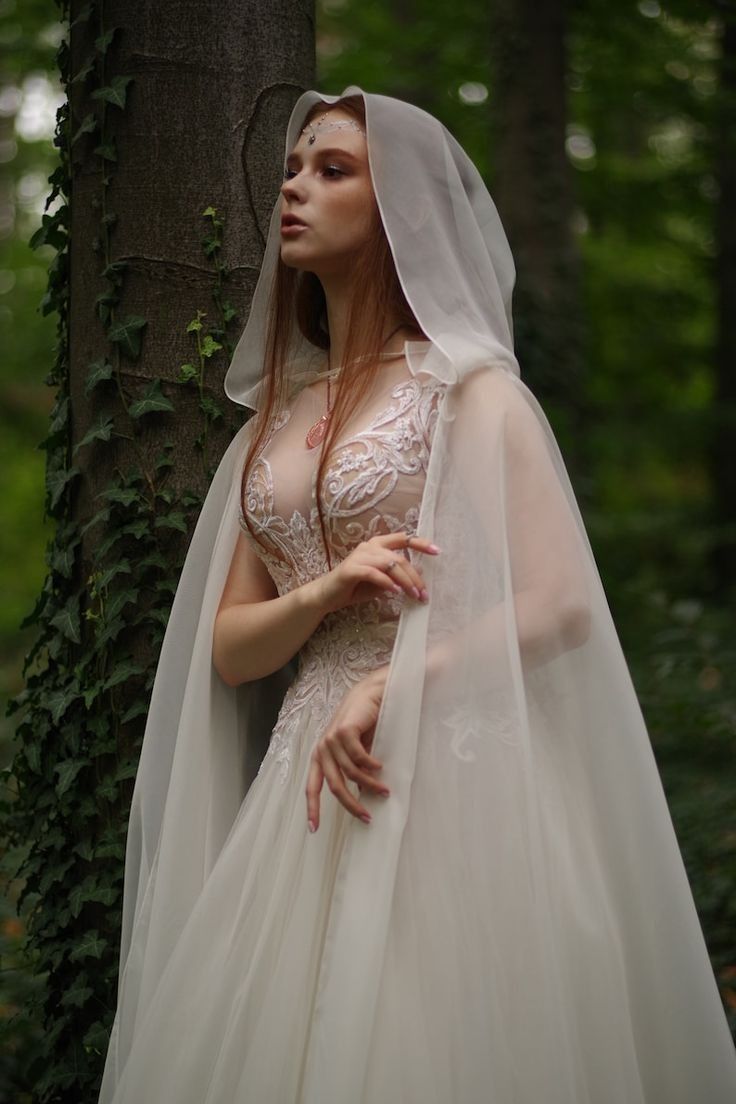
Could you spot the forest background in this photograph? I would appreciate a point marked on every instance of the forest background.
(623, 232)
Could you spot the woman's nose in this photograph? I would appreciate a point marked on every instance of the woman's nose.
(289, 190)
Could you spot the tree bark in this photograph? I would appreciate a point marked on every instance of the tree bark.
(533, 189)
(723, 442)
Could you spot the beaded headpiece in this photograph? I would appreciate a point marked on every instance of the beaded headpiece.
(325, 127)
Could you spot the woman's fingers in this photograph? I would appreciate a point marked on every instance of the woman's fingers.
(315, 778)
(349, 768)
(338, 788)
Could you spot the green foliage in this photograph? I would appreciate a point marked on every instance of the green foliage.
(79, 720)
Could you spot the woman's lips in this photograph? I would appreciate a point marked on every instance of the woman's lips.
(293, 228)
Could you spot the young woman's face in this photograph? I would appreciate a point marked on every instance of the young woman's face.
(327, 186)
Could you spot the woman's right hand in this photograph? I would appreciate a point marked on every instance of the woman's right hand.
(366, 572)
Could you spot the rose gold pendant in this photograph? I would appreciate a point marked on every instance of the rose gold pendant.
(316, 434)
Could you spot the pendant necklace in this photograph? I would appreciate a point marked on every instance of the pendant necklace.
(316, 434)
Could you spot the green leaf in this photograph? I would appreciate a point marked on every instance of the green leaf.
(88, 124)
(127, 334)
(122, 673)
(99, 371)
(136, 709)
(210, 346)
(209, 407)
(100, 431)
(175, 520)
(110, 631)
(67, 771)
(118, 601)
(77, 995)
(91, 946)
(151, 401)
(102, 42)
(113, 93)
(63, 559)
(89, 890)
(58, 701)
(56, 483)
(67, 620)
(122, 567)
(188, 372)
(107, 151)
(91, 692)
(125, 496)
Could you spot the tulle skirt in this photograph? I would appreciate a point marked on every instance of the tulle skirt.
(234, 1017)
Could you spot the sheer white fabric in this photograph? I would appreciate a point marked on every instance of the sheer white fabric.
(515, 925)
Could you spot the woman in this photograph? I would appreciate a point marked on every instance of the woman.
(490, 905)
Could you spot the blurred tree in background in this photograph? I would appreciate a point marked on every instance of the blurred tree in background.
(619, 197)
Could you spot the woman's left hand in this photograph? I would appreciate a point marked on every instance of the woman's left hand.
(343, 751)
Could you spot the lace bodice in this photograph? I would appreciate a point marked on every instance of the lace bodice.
(373, 484)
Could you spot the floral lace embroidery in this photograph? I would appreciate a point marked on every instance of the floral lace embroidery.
(363, 472)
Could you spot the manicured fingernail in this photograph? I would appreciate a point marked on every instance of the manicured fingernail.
(311, 826)
(365, 817)
(384, 793)
(433, 548)
(397, 588)
(425, 595)
(415, 592)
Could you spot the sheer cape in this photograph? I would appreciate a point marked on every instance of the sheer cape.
(524, 872)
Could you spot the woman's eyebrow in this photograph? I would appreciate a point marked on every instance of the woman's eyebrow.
(331, 151)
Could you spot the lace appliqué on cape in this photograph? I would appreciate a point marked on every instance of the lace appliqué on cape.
(366, 471)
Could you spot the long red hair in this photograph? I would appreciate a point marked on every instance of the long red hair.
(298, 298)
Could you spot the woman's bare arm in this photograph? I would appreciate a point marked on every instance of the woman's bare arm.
(257, 631)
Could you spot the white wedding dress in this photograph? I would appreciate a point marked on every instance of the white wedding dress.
(495, 935)
(230, 1020)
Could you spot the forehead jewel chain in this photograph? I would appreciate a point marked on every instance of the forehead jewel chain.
(323, 128)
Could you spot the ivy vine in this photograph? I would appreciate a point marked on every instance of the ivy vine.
(79, 719)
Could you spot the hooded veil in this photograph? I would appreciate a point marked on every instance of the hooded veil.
(524, 877)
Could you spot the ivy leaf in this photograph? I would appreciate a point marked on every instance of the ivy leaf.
(175, 520)
(91, 946)
(77, 995)
(125, 496)
(110, 631)
(127, 334)
(151, 400)
(114, 92)
(118, 601)
(102, 42)
(122, 673)
(88, 124)
(62, 560)
(100, 431)
(210, 346)
(91, 692)
(137, 708)
(99, 371)
(188, 372)
(90, 890)
(58, 701)
(96, 1039)
(67, 771)
(106, 577)
(67, 620)
(209, 407)
(107, 150)
(57, 481)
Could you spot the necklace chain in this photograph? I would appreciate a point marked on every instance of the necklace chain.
(316, 433)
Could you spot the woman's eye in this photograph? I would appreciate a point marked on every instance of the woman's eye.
(331, 170)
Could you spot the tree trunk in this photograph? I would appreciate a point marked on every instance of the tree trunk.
(176, 130)
(533, 189)
(723, 444)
